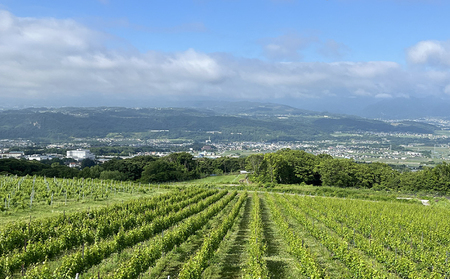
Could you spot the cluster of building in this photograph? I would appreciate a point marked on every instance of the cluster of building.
(364, 153)
(359, 148)
(5, 143)
(78, 155)
(11, 154)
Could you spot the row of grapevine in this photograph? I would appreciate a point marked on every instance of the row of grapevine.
(348, 238)
(73, 236)
(398, 249)
(256, 266)
(157, 269)
(342, 249)
(194, 267)
(421, 240)
(307, 261)
(24, 192)
(144, 257)
(14, 235)
(365, 239)
(94, 254)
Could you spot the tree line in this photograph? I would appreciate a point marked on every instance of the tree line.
(282, 167)
(296, 167)
(174, 167)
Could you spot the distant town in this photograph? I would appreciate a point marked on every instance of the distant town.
(361, 147)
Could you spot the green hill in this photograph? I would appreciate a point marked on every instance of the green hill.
(255, 123)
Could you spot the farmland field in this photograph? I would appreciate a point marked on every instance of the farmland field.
(22, 198)
(201, 232)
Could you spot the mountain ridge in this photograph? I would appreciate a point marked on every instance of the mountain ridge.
(245, 122)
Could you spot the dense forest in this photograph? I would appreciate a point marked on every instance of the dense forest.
(282, 167)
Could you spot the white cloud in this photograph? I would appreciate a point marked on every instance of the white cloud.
(45, 59)
(432, 53)
(383, 96)
(438, 76)
(369, 69)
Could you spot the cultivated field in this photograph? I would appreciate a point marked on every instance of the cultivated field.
(198, 232)
(22, 198)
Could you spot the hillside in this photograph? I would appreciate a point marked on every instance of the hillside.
(244, 122)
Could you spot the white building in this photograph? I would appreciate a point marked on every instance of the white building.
(38, 157)
(12, 154)
(80, 154)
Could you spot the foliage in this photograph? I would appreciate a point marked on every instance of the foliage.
(144, 258)
(298, 167)
(284, 166)
(397, 235)
(148, 169)
(194, 267)
(382, 239)
(308, 263)
(43, 242)
(256, 265)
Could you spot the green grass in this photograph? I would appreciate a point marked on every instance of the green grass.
(218, 179)
(442, 132)
(346, 135)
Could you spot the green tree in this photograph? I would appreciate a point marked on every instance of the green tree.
(113, 175)
(337, 172)
(161, 171)
(87, 163)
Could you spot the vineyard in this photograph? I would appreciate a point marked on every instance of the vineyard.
(24, 192)
(197, 232)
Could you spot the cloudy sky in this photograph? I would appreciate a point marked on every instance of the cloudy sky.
(308, 53)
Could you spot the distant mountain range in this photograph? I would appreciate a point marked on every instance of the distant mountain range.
(244, 121)
(390, 108)
(368, 107)
(408, 108)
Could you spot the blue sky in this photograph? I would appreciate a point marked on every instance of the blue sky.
(107, 52)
